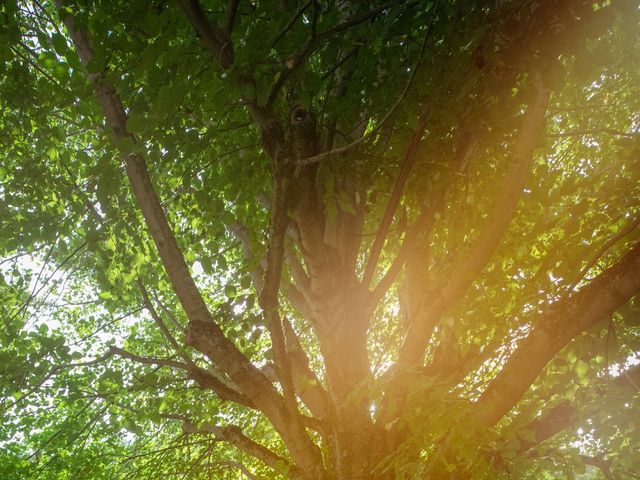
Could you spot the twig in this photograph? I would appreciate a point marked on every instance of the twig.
(628, 228)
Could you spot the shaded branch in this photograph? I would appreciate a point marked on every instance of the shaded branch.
(390, 112)
(315, 42)
(219, 44)
(601, 464)
(394, 200)
(230, 20)
(216, 39)
(290, 23)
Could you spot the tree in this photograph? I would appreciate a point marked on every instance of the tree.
(320, 240)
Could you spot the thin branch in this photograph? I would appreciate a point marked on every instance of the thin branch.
(595, 131)
(628, 228)
(421, 227)
(233, 434)
(239, 466)
(310, 389)
(290, 23)
(394, 200)
(392, 110)
(317, 41)
(301, 279)
(161, 325)
(168, 312)
(197, 461)
(163, 362)
(56, 369)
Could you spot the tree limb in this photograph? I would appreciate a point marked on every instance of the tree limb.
(233, 434)
(310, 389)
(421, 227)
(268, 298)
(202, 377)
(230, 20)
(394, 200)
(466, 270)
(202, 332)
(216, 40)
(561, 322)
(162, 326)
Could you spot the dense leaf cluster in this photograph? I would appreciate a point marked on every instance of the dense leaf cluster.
(336, 105)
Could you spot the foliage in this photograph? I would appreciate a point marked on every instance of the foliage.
(319, 239)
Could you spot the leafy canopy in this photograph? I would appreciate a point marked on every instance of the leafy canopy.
(319, 239)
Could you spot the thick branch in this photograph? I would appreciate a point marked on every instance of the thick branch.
(300, 445)
(466, 270)
(203, 333)
(215, 39)
(269, 296)
(561, 322)
(309, 386)
(230, 20)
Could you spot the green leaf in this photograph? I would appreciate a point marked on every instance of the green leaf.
(136, 123)
(59, 44)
